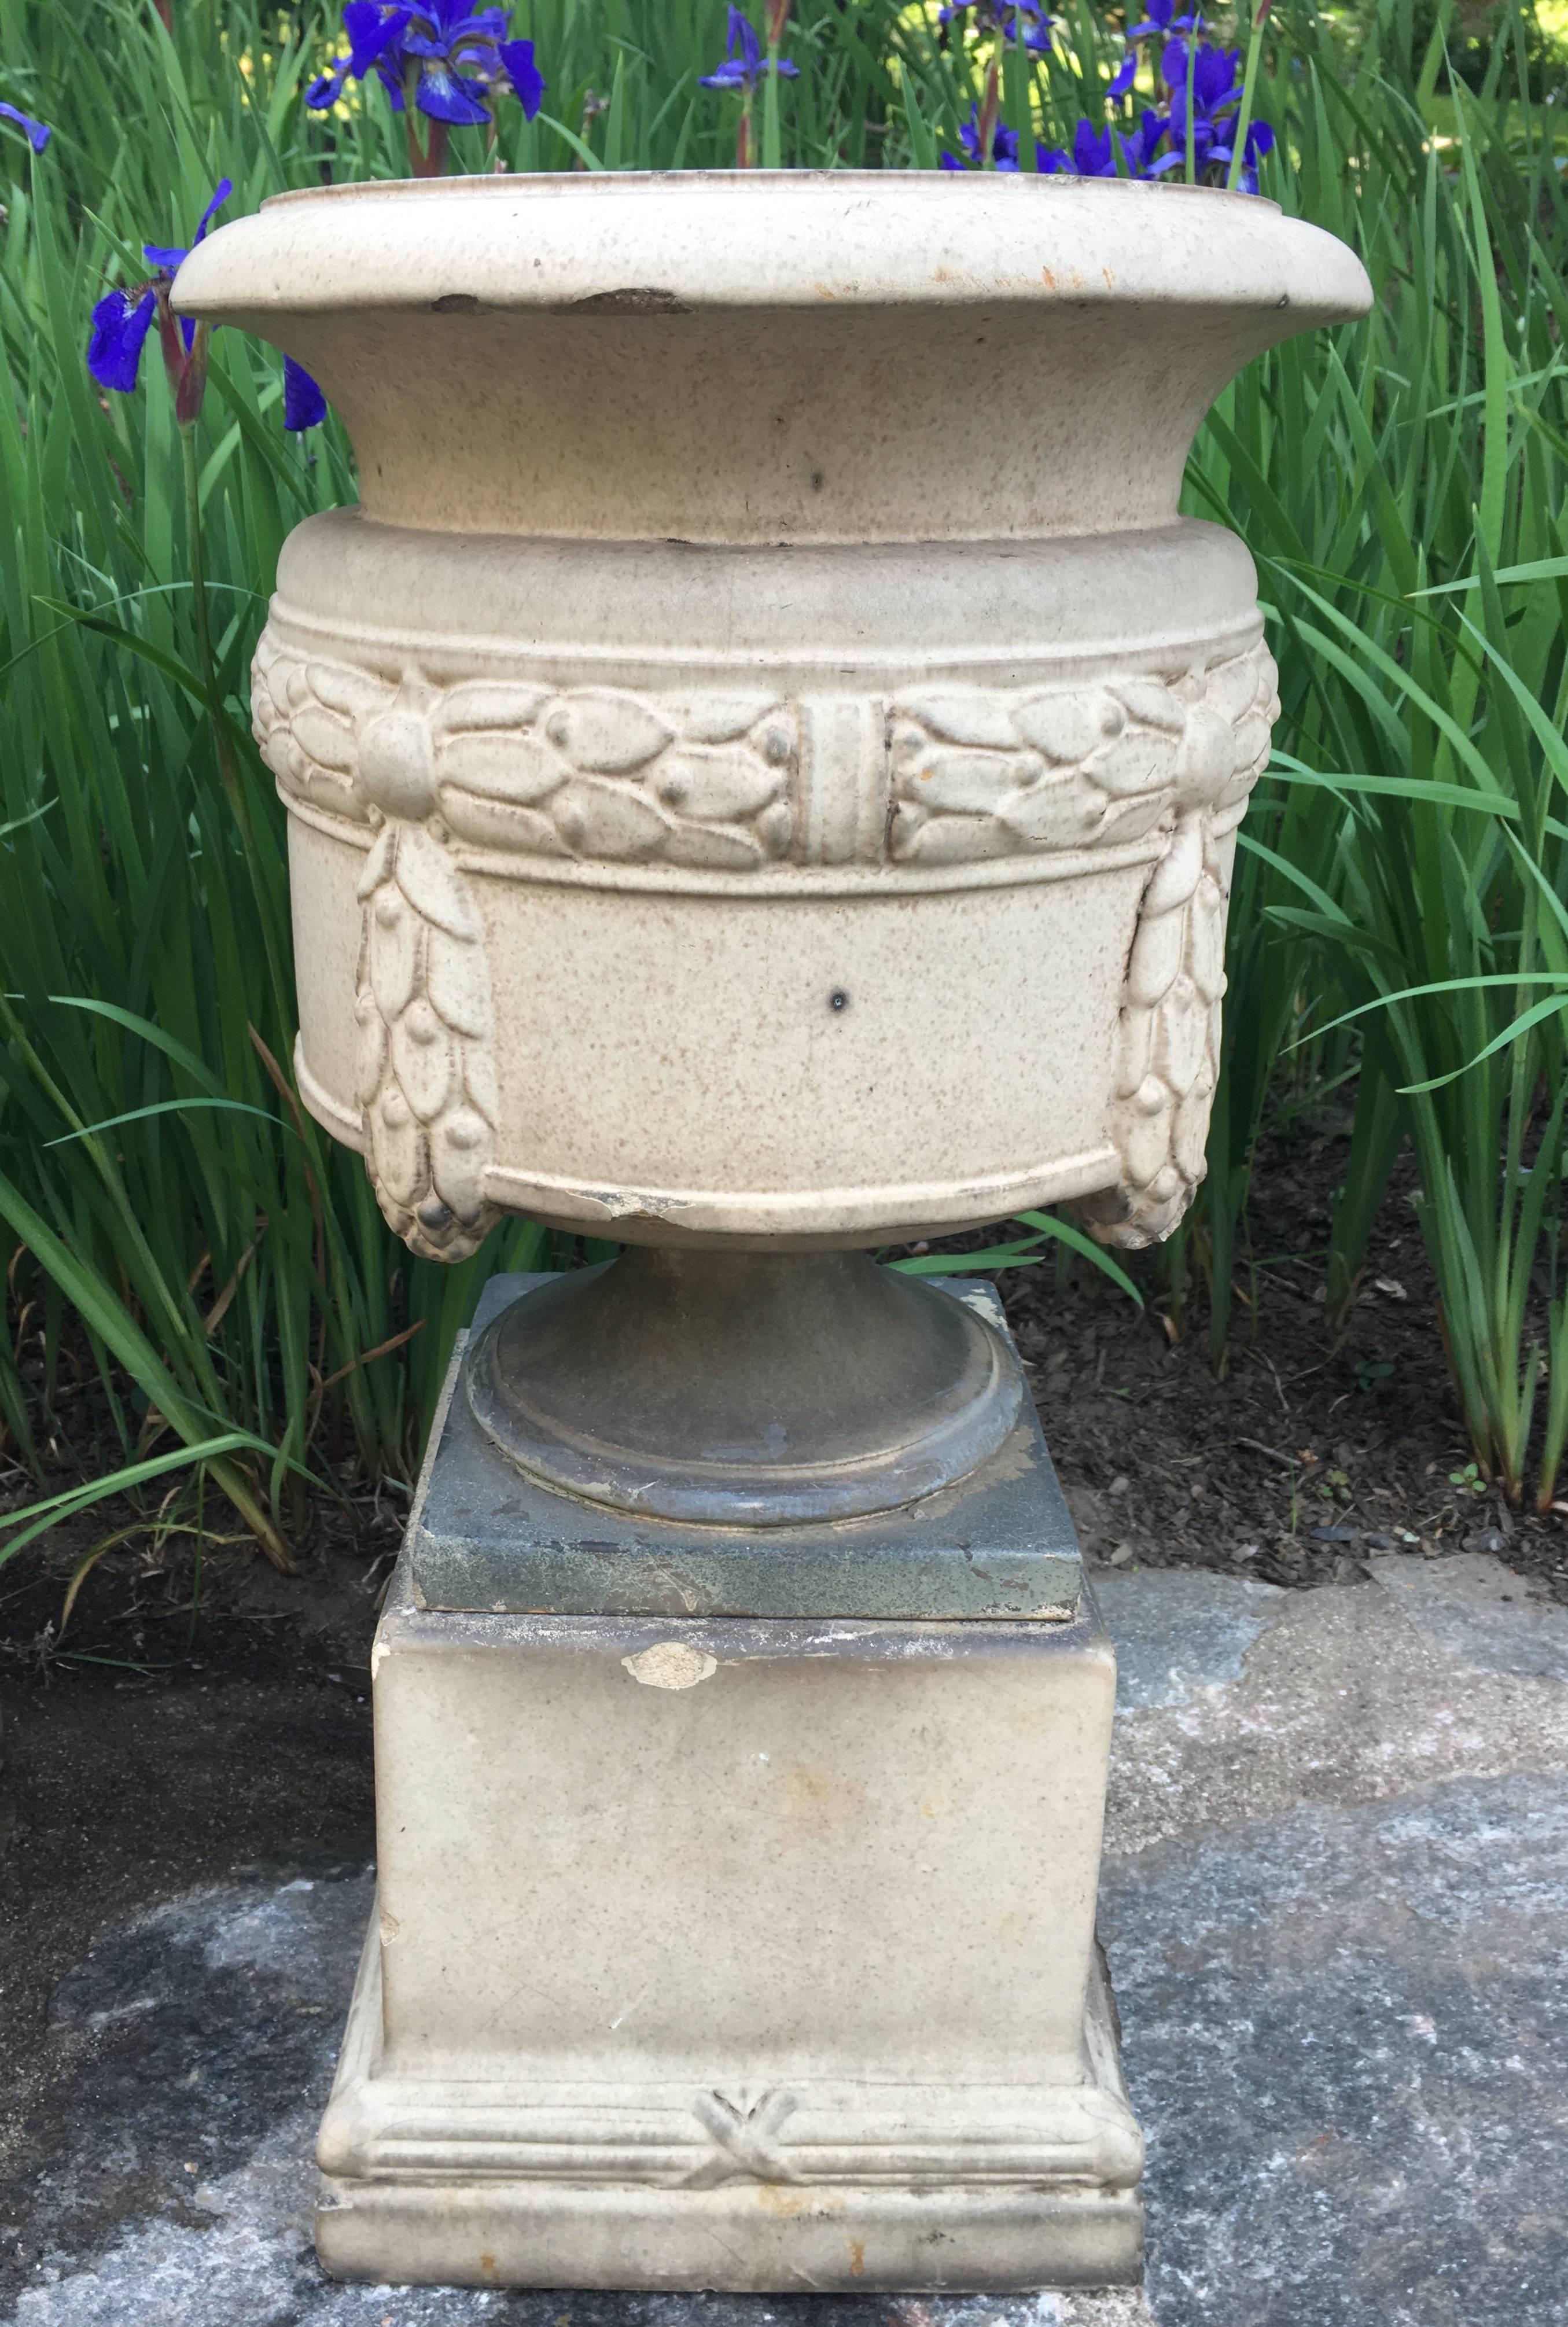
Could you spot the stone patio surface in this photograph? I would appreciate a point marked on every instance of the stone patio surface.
(1335, 1898)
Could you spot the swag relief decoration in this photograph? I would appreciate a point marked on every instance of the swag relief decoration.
(739, 783)
(424, 1063)
(521, 770)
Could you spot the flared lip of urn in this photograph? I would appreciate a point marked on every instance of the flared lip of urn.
(647, 244)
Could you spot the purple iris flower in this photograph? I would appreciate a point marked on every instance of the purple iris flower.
(1216, 75)
(1217, 83)
(454, 56)
(121, 320)
(1161, 20)
(304, 404)
(1106, 153)
(1003, 146)
(1259, 141)
(528, 83)
(37, 133)
(1125, 75)
(327, 88)
(1093, 155)
(120, 323)
(1024, 21)
(1006, 150)
(166, 262)
(746, 62)
(1159, 145)
(1140, 146)
(1216, 92)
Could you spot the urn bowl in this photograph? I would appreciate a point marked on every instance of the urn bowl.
(763, 762)
(763, 758)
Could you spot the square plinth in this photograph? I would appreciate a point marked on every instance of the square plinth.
(1000, 1543)
(751, 1952)
(754, 1956)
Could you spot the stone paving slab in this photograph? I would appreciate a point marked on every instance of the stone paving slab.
(1335, 1902)
(1471, 1606)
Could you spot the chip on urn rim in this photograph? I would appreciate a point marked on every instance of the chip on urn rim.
(763, 763)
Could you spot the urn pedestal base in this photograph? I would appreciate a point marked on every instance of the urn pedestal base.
(738, 1951)
(742, 1390)
(471, 2223)
(490, 1536)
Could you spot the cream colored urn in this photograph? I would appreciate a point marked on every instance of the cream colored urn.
(763, 760)
(762, 765)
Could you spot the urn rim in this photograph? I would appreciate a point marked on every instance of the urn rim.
(618, 246)
(948, 184)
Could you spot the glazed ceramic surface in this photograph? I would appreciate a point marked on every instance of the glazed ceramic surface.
(763, 760)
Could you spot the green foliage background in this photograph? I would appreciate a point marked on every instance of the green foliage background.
(1401, 483)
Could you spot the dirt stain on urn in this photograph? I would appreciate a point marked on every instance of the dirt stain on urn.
(778, 2198)
(816, 1794)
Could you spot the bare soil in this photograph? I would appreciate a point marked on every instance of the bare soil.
(1310, 1448)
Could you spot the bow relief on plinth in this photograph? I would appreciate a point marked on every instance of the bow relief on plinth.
(913, 786)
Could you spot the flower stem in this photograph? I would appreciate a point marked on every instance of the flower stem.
(986, 118)
(778, 20)
(772, 147)
(1188, 124)
(1249, 83)
(429, 160)
(410, 115)
(206, 662)
(233, 782)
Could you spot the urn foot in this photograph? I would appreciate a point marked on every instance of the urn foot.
(744, 1390)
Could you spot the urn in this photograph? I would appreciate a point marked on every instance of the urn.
(762, 765)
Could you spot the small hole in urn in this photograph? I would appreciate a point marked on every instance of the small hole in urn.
(838, 999)
(816, 481)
